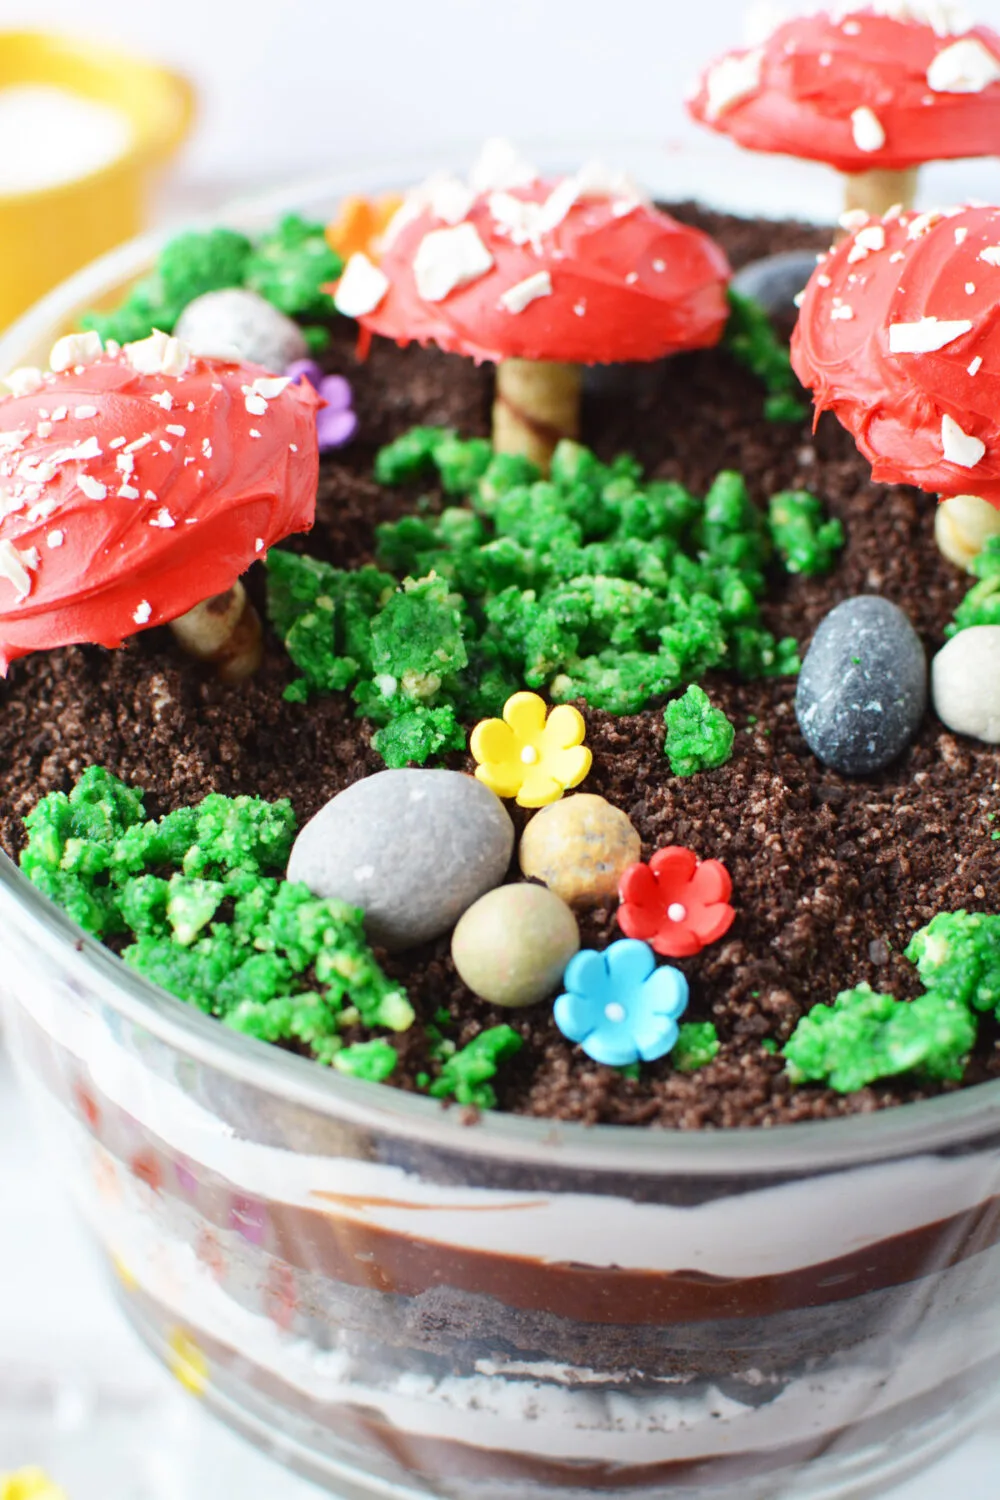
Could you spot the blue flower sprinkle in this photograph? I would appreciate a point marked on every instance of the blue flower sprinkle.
(619, 1006)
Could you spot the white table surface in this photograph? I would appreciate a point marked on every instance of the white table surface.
(82, 1397)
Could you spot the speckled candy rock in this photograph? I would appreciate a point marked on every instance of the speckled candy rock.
(512, 946)
(580, 848)
(862, 691)
(238, 324)
(414, 849)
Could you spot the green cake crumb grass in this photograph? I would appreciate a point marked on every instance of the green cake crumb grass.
(697, 1043)
(805, 540)
(197, 901)
(699, 737)
(288, 266)
(752, 340)
(466, 1074)
(958, 953)
(981, 605)
(595, 583)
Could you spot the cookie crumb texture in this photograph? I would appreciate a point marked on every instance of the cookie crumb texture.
(831, 877)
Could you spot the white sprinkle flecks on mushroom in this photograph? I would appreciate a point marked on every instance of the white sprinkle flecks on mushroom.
(970, 287)
(164, 399)
(966, 67)
(852, 219)
(867, 129)
(268, 386)
(447, 259)
(960, 447)
(91, 487)
(500, 166)
(961, 234)
(447, 197)
(163, 518)
(142, 612)
(75, 349)
(55, 538)
(159, 354)
(991, 255)
(843, 313)
(125, 463)
(128, 492)
(976, 365)
(258, 545)
(255, 404)
(176, 429)
(516, 298)
(867, 240)
(15, 566)
(926, 336)
(732, 80)
(82, 413)
(254, 433)
(24, 381)
(361, 288)
(44, 430)
(167, 447)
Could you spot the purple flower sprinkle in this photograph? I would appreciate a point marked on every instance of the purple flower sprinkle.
(336, 423)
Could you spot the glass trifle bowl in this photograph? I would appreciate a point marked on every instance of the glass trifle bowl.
(399, 1301)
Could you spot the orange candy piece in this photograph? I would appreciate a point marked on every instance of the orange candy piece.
(360, 223)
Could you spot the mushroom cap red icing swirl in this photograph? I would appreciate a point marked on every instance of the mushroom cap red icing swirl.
(121, 508)
(627, 281)
(899, 335)
(797, 93)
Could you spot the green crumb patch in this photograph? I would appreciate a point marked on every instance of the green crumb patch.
(696, 1045)
(981, 605)
(699, 737)
(805, 540)
(769, 1045)
(958, 954)
(864, 1036)
(751, 339)
(288, 266)
(197, 904)
(466, 1075)
(595, 584)
(373, 1061)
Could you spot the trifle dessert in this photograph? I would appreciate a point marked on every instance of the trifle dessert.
(505, 805)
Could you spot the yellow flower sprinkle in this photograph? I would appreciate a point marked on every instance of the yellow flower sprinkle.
(187, 1363)
(29, 1484)
(531, 756)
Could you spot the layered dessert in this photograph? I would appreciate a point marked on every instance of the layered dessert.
(557, 742)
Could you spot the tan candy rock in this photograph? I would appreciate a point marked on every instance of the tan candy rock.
(579, 847)
(963, 526)
(512, 946)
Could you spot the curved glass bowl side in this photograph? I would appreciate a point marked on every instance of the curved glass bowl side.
(728, 180)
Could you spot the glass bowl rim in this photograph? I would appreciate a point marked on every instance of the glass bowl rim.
(923, 1126)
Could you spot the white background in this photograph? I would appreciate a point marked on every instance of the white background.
(294, 87)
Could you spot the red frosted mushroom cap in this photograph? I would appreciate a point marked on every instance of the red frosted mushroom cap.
(578, 270)
(129, 495)
(899, 335)
(862, 90)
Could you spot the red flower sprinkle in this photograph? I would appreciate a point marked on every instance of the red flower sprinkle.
(677, 903)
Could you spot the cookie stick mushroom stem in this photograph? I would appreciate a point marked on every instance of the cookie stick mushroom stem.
(536, 405)
(905, 356)
(540, 278)
(873, 91)
(225, 632)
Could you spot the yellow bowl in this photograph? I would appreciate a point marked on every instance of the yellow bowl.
(47, 234)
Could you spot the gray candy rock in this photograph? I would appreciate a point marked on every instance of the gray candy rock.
(862, 691)
(776, 280)
(239, 324)
(414, 849)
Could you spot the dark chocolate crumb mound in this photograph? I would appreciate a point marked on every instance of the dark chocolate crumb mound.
(831, 877)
